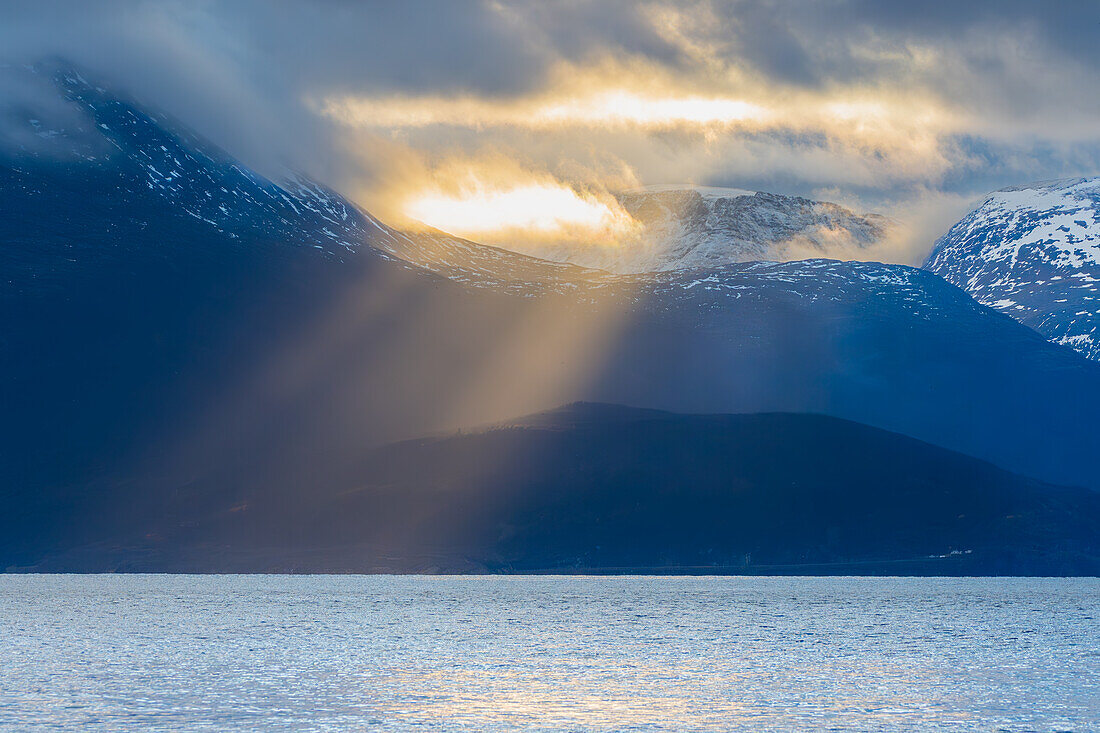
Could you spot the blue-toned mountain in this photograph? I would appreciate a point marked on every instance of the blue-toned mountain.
(173, 322)
(606, 488)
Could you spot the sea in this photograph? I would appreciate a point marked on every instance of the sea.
(547, 653)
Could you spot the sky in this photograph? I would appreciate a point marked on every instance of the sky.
(517, 120)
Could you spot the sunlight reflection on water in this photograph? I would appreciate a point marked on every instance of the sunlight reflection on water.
(340, 652)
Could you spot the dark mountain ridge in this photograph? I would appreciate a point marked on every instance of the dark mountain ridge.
(600, 488)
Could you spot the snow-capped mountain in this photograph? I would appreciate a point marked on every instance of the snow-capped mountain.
(1033, 252)
(96, 131)
(145, 274)
(683, 227)
(148, 157)
(699, 227)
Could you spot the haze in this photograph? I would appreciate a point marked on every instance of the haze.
(515, 123)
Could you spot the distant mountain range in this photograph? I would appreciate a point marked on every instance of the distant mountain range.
(177, 328)
(1033, 252)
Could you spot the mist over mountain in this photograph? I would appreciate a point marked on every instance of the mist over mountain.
(817, 114)
(179, 331)
(699, 227)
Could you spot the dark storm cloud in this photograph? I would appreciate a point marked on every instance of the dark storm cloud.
(803, 42)
(1020, 75)
(211, 58)
(285, 49)
(239, 71)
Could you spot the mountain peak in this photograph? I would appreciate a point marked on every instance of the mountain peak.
(701, 227)
(1033, 252)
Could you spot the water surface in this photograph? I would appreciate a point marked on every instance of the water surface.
(547, 653)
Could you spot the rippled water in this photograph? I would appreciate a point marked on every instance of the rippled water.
(549, 653)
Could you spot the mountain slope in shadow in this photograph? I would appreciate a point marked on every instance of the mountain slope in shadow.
(601, 488)
(173, 321)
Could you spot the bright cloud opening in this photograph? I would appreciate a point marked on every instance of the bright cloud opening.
(548, 209)
(604, 108)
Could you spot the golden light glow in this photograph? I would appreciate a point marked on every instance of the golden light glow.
(610, 107)
(624, 107)
(545, 208)
(547, 159)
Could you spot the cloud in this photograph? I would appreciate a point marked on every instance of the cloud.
(892, 106)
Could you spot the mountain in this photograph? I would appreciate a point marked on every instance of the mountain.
(148, 158)
(603, 488)
(1033, 252)
(886, 345)
(89, 137)
(699, 227)
(193, 328)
